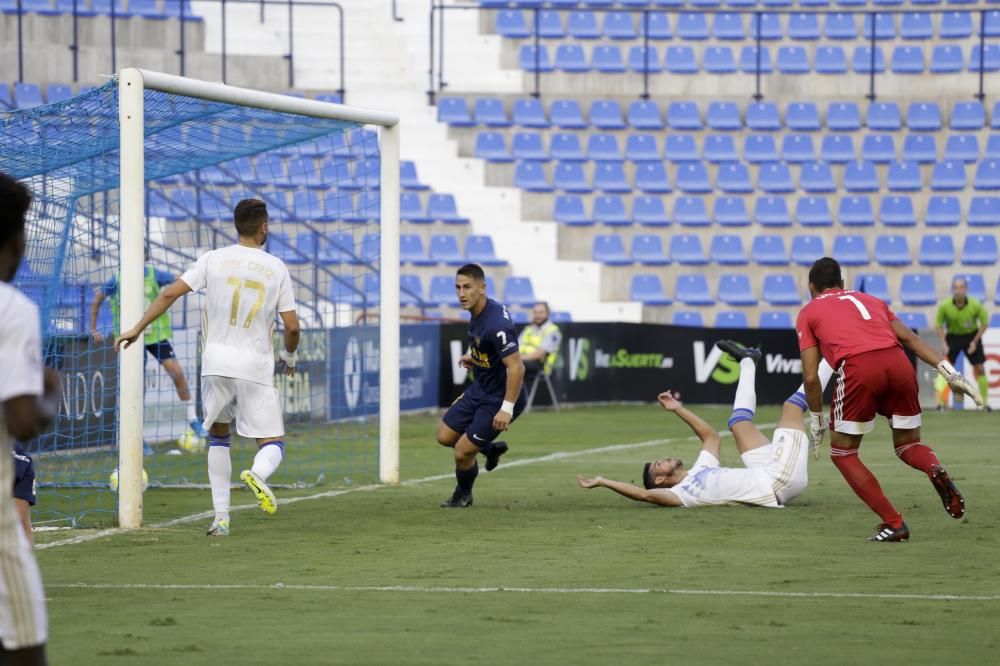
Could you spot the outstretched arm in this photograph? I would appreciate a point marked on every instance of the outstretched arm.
(710, 441)
(95, 308)
(658, 496)
(161, 304)
(933, 357)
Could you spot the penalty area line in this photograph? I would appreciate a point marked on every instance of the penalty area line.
(500, 589)
(521, 462)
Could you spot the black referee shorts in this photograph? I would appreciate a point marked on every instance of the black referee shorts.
(959, 344)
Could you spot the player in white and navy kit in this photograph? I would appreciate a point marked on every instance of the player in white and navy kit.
(775, 469)
(245, 288)
(28, 393)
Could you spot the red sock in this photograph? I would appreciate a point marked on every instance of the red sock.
(918, 456)
(865, 485)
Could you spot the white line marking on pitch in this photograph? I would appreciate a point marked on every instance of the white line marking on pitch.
(524, 590)
(206, 515)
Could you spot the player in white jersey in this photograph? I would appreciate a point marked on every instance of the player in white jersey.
(245, 288)
(775, 469)
(29, 394)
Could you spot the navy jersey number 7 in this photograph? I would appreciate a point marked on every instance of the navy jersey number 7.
(491, 339)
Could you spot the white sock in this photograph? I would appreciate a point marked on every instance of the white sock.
(267, 459)
(746, 393)
(192, 410)
(220, 473)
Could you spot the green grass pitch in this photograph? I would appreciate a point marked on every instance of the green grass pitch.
(540, 571)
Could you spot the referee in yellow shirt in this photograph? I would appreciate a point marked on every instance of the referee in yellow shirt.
(965, 319)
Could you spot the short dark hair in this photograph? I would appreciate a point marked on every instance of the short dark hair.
(647, 478)
(15, 200)
(545, 305)
(474, 271)
(249, 216)
(825, 274)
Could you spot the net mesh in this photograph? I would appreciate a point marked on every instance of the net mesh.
(320, 180)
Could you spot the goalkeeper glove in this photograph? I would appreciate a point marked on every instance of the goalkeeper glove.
(288, 358)
(958, 383)
(817, 429)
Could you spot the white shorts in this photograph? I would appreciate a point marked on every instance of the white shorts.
(255, 407)
(23, 622)
(785, 461)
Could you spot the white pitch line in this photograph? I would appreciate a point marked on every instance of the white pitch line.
(523, 590)
(205, 515)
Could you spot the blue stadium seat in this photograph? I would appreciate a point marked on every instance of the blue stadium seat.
(843, 117)
(850, 250)
(775, 178)
(884, 117)
(6, 101)
(411, 251)
(411, 290)
(692, 289)
(680, 60)
(657, 27)
(648, 290)
(943, 211)
(531, 176)
(442, 207)
(961, 148)
(641, 148)
(917, 289)
(643, 59)
(518, 291)
(802, 117)
(797, 148)
(829, 60)
(885, 27)
(692, 26)
(897, 212)
(649, 212)
(442, 291)
(718, 148)
(727, 250)
(510, 23)
(916, 26)
(907, 60)
(775, 319)
(803, 27)
(560, 317)
(979, 250)
(689, 319)
(582, 25)
(878, 148)
(956, 25)
(686, 249)
(753, 59)
(307, 205)
(984, 212)
(344, 290)
(987, 59)
(644, 115)
(904, 177)
(763, 117)
(570, 210)
(813, 212)
(57, 92)
(529, 113)
(914, 320)
(718, 60)
(923, 117)
(920, 148)
(683, 116)
(987, 175)
(443, 249)
(769, 27)
(837, 148)
(728, 26)
(860, 176)
(948, 177)
(731, 319)
(759, 148)
(607, 59)
(647, 249)
(840, 26)
(892, 250)
(174, 9)
(609, 210)
(603, 147)
(566, 114)
(730, 212)
(565, 146)
(780, 289)
(734, 178)
(338, 248)
(691, 212)
(492, 147)
(570, 177)
(734, 289)
(874, 284)
(455, 112)
(651, 178)
(772, 212)
(692, 178)
(535, 59)
(618, 25)
(947, 59)
(936, 250)
(610, 177)
(609, 249)
(768, 250)
(280, 245)
(856, 212)
(816, 178)
(489, 111)
(27, 96)
(968, 116)
(723, 116)
(606, 115)
(792, 60)
(861, 60)
(550, 25)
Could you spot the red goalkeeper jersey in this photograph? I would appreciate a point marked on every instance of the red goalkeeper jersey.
(845, 323)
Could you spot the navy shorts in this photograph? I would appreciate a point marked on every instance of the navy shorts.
(472, 414)
(161, 351)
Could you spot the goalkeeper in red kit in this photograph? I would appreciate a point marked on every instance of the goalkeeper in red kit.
(863, 340)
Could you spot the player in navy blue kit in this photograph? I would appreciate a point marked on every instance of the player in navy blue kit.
(496, 396)
(24, 488)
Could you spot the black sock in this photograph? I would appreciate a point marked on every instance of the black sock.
(466, 477)
(486, 449)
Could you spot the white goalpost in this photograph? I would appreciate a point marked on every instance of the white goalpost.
(132, 84)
